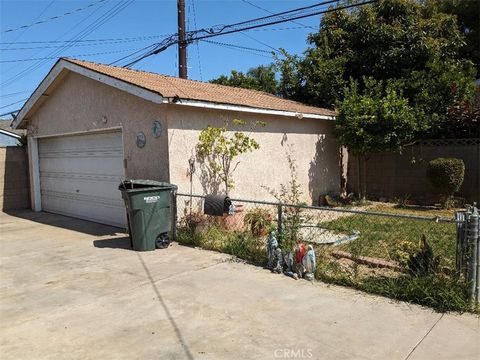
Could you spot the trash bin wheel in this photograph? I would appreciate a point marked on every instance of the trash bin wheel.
(162, 241)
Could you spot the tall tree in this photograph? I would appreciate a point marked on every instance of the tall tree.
(258, 78)
(416, 46)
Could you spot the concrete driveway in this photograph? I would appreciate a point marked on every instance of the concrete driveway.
(72, 289)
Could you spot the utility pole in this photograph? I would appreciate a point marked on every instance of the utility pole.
(182, 44)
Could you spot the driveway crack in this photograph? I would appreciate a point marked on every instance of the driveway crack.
(424, 337)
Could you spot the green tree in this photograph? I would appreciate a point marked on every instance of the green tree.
(468, 22)
(417, 46)
(218, 148)
(375, 120)
(260, 78)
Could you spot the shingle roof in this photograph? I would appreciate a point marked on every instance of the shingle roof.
(170, 87)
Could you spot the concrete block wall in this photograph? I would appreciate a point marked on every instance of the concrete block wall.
(391, 175)
(14, 188)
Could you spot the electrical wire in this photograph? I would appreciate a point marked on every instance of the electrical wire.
(196, 42)
(109, 14)
(239, 47)
(77, 55)
(36, 18)
(270, 12)
(13, 94)
(53, 17)
(16, 102)
(248, 25)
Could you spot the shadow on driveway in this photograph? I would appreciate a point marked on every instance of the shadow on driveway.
(115, 243)
(178, 333)
(66, 222)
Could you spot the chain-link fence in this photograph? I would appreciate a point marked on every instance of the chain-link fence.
(403, 256)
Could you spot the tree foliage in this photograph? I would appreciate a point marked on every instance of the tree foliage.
(410, 50)
(218, 148)
(377, 119)
(260, 78)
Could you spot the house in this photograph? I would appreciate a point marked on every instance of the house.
(90, 125)
(8, 136)
(14, 192)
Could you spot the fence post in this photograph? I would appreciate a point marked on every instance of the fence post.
(279, 221)
(174, 215)
(472, 241)
(460, 254)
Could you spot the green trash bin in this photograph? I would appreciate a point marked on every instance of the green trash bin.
(150, 213)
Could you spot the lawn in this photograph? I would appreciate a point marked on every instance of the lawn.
(389, 238)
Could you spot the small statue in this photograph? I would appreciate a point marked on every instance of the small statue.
(278, 262)
(272, 245)
(309, 262)
(300, 251)
(289, 265)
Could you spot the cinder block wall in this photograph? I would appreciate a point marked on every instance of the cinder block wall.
(14, 189)
(391, 176)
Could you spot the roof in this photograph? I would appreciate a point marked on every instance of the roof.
(166, 89)
(170, 87)
(7, 130)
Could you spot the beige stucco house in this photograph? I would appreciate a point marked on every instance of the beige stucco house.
(90, 125)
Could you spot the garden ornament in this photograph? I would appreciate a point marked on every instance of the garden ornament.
(309, 262)
(272, 245)
(288, 265)
(300, 251)
(278, 268)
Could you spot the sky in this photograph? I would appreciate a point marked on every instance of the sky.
(146, 22)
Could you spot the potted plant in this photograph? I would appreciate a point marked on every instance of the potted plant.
(259, 220)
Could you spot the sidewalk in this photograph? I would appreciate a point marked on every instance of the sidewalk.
(72, 290)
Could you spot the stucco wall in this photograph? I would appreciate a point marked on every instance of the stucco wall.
(311, 142)
(80, 104)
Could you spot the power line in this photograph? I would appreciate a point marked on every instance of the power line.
(77, 55)
(248, 25)
(77, 45)
(53, 17)
(102, 19)
(270, 12)
(13, 94)
(246, 49)
(36, 18)
(196, 43)
(128, 39)
(16, 102)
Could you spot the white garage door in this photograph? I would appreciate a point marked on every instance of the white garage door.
(79, 176)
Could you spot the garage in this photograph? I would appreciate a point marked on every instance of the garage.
(88, 125)
(79, 176)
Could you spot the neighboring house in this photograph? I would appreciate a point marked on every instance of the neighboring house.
(90, 125)
(8, 137)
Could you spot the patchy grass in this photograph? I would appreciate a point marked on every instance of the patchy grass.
(383, 237)
(380, 236)
(238, 243)
(414, 210)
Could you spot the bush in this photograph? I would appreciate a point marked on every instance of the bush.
(446, 175)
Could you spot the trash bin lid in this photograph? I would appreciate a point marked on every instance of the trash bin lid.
(133, 184)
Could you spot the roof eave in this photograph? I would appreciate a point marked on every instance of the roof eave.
(249, 109)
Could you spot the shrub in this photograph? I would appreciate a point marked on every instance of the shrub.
(446, 175)
(259, 220)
